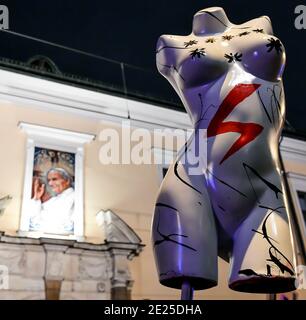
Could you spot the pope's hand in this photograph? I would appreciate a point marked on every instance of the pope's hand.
(39, 190)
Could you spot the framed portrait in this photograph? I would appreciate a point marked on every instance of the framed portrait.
(52, 197)
(53, 186)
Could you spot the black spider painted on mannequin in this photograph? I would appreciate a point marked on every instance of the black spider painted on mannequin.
(197, 53)
(258, 30)
(274, 44)
(210, 40)
(190, 43)
(245, 33)
(228, 37)
(232, 58)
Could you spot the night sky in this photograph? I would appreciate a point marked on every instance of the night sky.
(127, 31)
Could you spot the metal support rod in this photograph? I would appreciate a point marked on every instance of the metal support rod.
(295, 225)
(187, 291)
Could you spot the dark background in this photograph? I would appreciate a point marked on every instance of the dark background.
(127, 31)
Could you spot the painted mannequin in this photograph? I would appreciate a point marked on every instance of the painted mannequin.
(229, 79)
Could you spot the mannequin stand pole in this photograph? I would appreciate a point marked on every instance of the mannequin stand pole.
(187, 291)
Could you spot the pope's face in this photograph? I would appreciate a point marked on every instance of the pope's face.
(57, 183)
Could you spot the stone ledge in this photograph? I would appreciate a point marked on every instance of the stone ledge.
(133, 248)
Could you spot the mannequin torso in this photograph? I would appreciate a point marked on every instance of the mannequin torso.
(229, 80)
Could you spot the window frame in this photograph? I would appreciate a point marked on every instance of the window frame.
(297, 182)
(164, 159)
(61, 140)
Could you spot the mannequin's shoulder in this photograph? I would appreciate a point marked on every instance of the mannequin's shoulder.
(261, 23)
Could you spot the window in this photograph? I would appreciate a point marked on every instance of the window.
(163, 158)
(165, 170)
(302, 201)
(298, 192)
(53, 185)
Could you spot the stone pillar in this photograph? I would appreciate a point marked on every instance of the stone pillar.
(121, 282)
(53, 288)
(123, 244)
(54, 273)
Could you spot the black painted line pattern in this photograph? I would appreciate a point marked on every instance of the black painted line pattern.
(203, 116)
(159, 204)
(201, 102)
(172, 67)
(172, 272)
(264, 107)
(222, 21)
(212, 15)
(249, 272)
(221, 208)
(264, 236)
(272, 112)
(265, 207)
(278, 263)
(167, 238)
(185, 182)
(270, 185)
(170, 47)
(276, 100)
(273, 257)
(225, 183)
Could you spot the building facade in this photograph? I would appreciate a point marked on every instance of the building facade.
(44, 117)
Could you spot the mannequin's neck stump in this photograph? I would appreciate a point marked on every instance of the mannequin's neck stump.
(210, 21)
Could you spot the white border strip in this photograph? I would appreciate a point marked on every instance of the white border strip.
(51, 95)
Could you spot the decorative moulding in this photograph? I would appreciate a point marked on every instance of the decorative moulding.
(53, 96)
(4, 202)
(55, 135)
(297, 182)
(293, 149)
(115, 229)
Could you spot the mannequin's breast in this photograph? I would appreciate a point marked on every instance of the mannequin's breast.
(261, 55)
(201, 66)
(190, 62)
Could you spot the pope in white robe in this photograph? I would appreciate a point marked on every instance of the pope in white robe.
(55, 215)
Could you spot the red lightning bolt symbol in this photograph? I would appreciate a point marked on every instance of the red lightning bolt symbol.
(248, 131)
